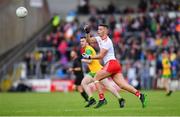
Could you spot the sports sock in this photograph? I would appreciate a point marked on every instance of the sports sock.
(91, 97)
(101, 96)
(138, 94)
(84, 95)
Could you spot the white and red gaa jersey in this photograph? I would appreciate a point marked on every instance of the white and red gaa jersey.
(108, 45)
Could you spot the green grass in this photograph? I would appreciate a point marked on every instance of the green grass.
(71, 104)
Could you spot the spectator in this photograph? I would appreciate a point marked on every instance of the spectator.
(145, 76)
(142, 6)
(131, 73)
(83, 7)
(111, 8)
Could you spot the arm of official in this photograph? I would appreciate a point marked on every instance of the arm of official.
(77, 69)
(74, 69)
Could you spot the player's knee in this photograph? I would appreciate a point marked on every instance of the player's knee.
(108, 88)
(83, 83)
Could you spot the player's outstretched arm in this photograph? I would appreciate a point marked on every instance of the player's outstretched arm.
(101, 55)
(88, 35)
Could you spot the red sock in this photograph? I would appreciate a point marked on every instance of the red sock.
(101, 96)
(138, 93)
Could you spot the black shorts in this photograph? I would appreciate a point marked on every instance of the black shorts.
(78, 80)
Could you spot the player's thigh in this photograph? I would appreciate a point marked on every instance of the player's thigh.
(163, 81)
(106, 83)
(119, 79)
(167, 81)
(101, 75)
(86, 80)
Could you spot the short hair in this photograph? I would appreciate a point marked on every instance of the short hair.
(83, 37)
(104, 25)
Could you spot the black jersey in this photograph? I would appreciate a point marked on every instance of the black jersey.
(78, 74)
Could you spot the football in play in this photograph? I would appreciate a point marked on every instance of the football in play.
(21, 12)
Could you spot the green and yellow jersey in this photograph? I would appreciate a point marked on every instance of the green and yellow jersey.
(166, 68)
(95, 65)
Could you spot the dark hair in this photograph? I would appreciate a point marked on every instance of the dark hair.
(83, 37)
(104, 25)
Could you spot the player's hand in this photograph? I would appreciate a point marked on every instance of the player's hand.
(86, 56)
(70, 69)
(87, 29)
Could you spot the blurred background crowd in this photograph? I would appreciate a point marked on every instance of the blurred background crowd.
(139, 41)
(141, 35)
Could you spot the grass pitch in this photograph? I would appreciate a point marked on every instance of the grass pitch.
(72, 104)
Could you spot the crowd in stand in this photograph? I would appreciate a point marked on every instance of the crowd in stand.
(143, 6)
(139, 43)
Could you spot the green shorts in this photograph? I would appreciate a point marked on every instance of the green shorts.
(91, 74)
(166, 76)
